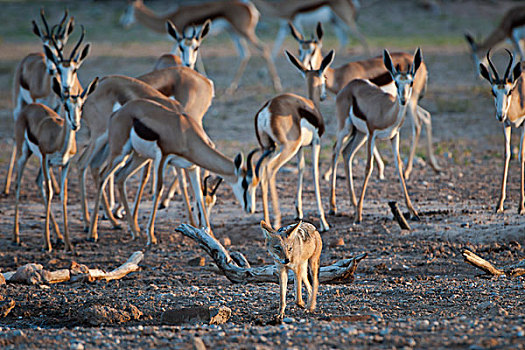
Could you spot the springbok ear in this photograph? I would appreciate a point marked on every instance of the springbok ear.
(470, 40)
(205, 29)
(483, 70)
(418, 58)
(387, 60)
(91, 87)
(57, 88)
(293, 60)
(327, 61)
(82, 55)
(294, 229)
(267, 229)
(50, 55)
(36, 30)
(238, 162)
(172, 30)
(319, 31)
(295, 33)
(516, 72)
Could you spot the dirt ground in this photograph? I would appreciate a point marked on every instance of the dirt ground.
(413, 291)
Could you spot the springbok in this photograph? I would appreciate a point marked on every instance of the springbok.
(374, 70)
(509, 98)
(511, 27)
(187, 46)
(241, 17)
(32, 80)
(283, 126)
(341, 13)
(41, 131)
(155, 132)
(376, 114)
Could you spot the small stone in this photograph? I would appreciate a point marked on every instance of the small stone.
(339, 242)
(465, 225)
(6, 306)
(288, 320)
(199, 314)
(76, 346)
(411, 342)
(2, 279)
(226, 241)
(18, 333)
(198, 261)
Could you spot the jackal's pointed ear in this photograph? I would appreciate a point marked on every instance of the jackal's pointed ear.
(266, 229)
(292, 231)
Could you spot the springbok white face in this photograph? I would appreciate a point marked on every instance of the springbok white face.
(73, 103)
(246, 184)
(58, 33)
(403, 80)
(67, 68)
(189, 42)
(501, 88)
(315, 79)
(309, 49)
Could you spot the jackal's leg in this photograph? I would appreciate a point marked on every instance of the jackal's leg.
(283, 284)
(297, 279)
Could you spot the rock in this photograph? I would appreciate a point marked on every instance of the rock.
(288, 320)
(198, 261)
(226, 241)
(101, 314)
(29, 273)
(339, 242)
(198, 314)
(76, 346)
(6, 306)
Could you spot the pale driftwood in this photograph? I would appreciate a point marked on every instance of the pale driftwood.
(340, 272)
(510, 271)
(398, 216)
(35, 273)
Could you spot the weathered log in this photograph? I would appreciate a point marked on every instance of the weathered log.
(398, 216)
(36, 274)
(481, 263)
(340, 272)
(510, 270)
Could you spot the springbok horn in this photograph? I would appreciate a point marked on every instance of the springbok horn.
(205, 185)
(59, 51)
(43, 16)
(511, 60)
(74, 52)
(249, 164)
(216, 186)
(492, 66)
(61, 27)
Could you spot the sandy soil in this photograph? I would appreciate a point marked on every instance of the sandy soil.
(413, 291)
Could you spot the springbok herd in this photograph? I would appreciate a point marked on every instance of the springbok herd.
(156, 119)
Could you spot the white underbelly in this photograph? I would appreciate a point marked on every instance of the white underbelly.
(179, 161)
(321, 14)
(145, 148)
(360, 125)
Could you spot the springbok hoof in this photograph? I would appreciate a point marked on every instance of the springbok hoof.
(415, 217)
(91, 240)
(162, 206)
(117, 227)
(332, 212)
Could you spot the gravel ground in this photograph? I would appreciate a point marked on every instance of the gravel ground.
(413, 291)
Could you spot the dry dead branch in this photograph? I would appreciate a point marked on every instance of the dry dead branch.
(398, 216)
(510, 271)
(36, 274)
(341, 271)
